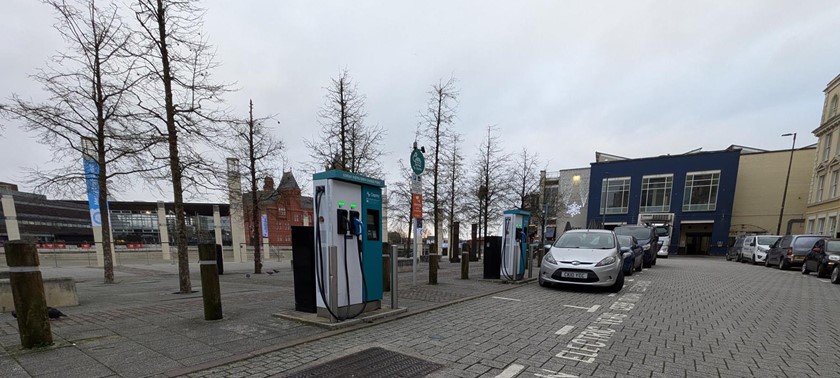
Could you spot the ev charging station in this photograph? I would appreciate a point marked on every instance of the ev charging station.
(514, 244)
(348, 213)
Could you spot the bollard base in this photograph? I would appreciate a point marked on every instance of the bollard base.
(318, 321)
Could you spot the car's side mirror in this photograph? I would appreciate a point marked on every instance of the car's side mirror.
(752, 244)
(625, 249)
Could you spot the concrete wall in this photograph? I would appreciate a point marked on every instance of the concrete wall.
(759, 189)
(59, 292)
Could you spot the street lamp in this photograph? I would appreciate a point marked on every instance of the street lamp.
(787, 179)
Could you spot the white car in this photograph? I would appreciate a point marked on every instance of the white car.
(755, 248)
(663, 250)
(584, 257)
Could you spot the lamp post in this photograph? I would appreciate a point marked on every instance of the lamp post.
(604, 191)
(787, 179)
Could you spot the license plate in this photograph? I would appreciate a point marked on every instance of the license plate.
(799, 258)
(573, 275)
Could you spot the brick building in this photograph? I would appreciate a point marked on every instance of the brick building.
(284, 207)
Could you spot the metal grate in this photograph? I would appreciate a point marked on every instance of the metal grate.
(373, 362)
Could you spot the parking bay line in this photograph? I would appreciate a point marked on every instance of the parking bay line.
(826, 281)
(508, 299)
(565, 330)
(511, 371)
(588, 309)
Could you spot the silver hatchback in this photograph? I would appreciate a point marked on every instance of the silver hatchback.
(584, 257)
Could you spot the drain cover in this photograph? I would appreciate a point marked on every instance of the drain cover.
(373, 362)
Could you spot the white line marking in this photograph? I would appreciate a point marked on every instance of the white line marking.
(630, 279)
(508, 299)
(582, 308)
(611, 295)
(511, 371)
(826, 281)
(565, 330)
(594, 308)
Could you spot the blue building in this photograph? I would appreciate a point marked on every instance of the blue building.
(698, 188)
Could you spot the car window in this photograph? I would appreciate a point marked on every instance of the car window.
(625, 240)
(785, 242)
(748, 241)
(767, 240)
(586, 240)
(639, 232)
(805, 241)
(833, 246)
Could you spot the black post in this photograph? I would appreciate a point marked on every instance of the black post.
(210, 282)
(787, 179)
(28, 294)
(433, 264)
(220, 260)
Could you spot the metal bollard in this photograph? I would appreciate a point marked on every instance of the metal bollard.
(28, 294)
(530, 261)
(210, 282)
(465, 265)
(433, 264)
(394, 280)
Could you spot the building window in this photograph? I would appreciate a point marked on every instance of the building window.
(827, 146)
(832, 110)
(821, 226)
(616, 195)
(701, 190)
(834, 184)
(281, 212)
(656, 193)
(832, 226)
(820, 187)
(810, 226)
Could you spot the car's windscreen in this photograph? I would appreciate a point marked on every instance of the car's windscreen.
(832, 246)
(661, 230)
(767, 240)
(639, 233)
(625, 241)
(586, 240)
(806, 241)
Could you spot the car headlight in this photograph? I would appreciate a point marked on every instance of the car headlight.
(646, 247)
(834, 258)
(606, 261)
(550, 259)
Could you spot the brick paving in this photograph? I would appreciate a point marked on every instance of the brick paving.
(686, 317)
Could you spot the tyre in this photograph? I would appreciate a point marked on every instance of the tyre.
(542, 282)
(738, 258)
(766, 262)
(805, 269)
(630, 271)
(639, 269)
(822, 272)
(835, 275)
(782, 264)
(619, 283)
(653, 262)
(646, 264)
(752, 259)
(728, 258)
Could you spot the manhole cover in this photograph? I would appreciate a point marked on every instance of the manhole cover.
(373, 362)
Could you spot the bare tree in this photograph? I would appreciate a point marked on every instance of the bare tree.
(346, 142)
(180, 102)
(526, 177)
(490, 182)
(260, 154)
(438, 117)
(399, 200)
(90, 88)
(453, 167)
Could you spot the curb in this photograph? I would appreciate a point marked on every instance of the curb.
(244, 356)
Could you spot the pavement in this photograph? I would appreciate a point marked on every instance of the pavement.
(140, 326)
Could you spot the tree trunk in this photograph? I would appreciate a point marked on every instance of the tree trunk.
(174, 160)
(256, 225)
(102, 178)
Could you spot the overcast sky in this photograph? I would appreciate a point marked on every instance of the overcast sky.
(565, 78)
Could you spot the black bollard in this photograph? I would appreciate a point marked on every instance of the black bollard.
(465, 265)
(220, 259)
(433, 265)
(28, 294)
(210, 282)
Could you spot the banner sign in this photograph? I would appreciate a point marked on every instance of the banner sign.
(416, 206)
(264, 226)
(92, 183)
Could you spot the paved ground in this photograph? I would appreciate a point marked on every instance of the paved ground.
(139, 327)
(686, 317)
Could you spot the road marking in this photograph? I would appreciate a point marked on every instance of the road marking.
(826, 281)
(565, 330)
(553, 374)
(511, 371)
(630, 279)
(611, 295)
(588, 309)
(508, 299)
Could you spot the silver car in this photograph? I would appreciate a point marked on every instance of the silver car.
(584, 257)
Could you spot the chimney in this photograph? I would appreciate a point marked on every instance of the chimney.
(269, 184)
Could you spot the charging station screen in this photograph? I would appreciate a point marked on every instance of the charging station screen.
(372, 225)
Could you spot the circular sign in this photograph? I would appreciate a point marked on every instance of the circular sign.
(418, 162)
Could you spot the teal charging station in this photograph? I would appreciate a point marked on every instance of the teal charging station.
(514, 244)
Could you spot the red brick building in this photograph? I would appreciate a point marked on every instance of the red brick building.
(284, 207)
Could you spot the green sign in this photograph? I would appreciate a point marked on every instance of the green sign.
(418, 162)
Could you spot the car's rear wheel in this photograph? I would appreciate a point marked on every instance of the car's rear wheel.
(766, 262)
(619, 283)
(821, 271)
(738, 257)
(835, 275)
(639, 268)
(653, 261)
(805, 269)
(782, 264)
(646, 264)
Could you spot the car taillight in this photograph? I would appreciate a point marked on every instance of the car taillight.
(790, 251)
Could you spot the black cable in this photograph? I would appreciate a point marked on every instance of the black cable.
(504, 245)
(318, 256)
(346, 279)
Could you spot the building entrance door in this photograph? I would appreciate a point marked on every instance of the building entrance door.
(698, 243)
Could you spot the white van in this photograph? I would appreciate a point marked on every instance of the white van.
(756, 247)
(663, 250)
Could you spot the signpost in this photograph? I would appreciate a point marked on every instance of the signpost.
(418, 165)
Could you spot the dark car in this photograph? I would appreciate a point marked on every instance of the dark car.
(632, 252)
(824, 258)
(646, 236)
(791, 250)
(734, 252)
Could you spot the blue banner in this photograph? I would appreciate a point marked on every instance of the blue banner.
(264, 226)
(92, 183)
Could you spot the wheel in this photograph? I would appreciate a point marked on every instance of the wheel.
(630, 271)
(752, 259)
(738, 257)
(542, 282)
(639, 268)
(646, 264)
(619, 283)
(728, 258)
(805, 269)
(782, 264)
(821, 271)
(835, 275)
(767, 262)
(653, 262)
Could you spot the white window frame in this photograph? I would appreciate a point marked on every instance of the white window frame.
(820, 188)
(827, 146)
(810, 229)
(609, 183)
(832, 108)
(820, 226)
(833, 190)
(661, 194)
(714, 185)
(832, 226)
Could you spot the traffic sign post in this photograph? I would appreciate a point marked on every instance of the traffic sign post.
(418, 161)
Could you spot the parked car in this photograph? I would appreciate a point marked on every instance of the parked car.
(735, 249)
(647, 238)
(755, 248)
(790, 250)
(584, 257)
(664, 244)
(824, 258)
(632, 252)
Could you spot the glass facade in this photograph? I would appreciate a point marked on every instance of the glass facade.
(616, 194)
(656, 193)
(701, 190)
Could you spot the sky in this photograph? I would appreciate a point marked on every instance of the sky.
(562, 78)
